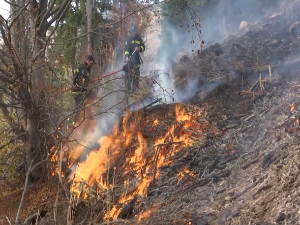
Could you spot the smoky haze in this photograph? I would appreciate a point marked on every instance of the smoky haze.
(106, 112)
(166, 42)
(217, 21)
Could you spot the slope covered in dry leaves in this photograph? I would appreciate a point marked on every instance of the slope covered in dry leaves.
(232, 156)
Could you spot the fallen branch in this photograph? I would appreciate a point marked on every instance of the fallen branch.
(145, 96)
(247, 189)
(250, 117)
(189, 176)
(213, 165)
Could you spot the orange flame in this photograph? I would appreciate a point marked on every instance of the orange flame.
(180, 113)
(144, 158)
(183, 173)
(143, 215)
(94, 165)
(54, 170)
(53, 159)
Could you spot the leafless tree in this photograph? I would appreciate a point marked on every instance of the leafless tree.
(89, 10)
(24, 76)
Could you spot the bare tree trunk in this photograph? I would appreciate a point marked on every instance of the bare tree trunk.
(89, 10)
(28, 113)
(38, 39)
(32, 119)
(13, 12)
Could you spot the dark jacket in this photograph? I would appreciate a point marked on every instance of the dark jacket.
(82, 75)
(131, 43)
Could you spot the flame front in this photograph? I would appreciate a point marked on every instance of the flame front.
(141, 166)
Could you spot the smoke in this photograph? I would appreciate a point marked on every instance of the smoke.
(165, 41)
(110, 109)
(106, 111)
(180, 36)
(188, 92)
(224, 19)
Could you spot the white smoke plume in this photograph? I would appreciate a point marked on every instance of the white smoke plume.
(217, 22)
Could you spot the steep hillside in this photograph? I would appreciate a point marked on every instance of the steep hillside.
(228, 155)
(231, 157)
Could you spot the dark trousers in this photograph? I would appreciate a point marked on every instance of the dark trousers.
(79, 98)
(132, 77)
(82, 98)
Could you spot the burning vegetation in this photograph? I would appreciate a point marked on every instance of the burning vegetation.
(219, 161)
(127, 167)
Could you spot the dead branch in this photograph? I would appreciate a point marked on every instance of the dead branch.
(155, 161)
(263, 188)
(23, 194)
(60, 12)
(152, 103)
(11, 3)
(245, 166)
(168, 143)
(30, 169)
(18, 15)
(111, 24)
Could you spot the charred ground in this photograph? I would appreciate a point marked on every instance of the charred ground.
(247, 173)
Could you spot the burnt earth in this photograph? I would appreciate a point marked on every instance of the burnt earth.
(249, 174)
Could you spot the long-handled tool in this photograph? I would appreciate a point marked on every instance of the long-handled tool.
(98, 78)
(126, 66)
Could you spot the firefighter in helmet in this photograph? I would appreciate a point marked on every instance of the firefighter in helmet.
(81, 81)
(133, 46)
